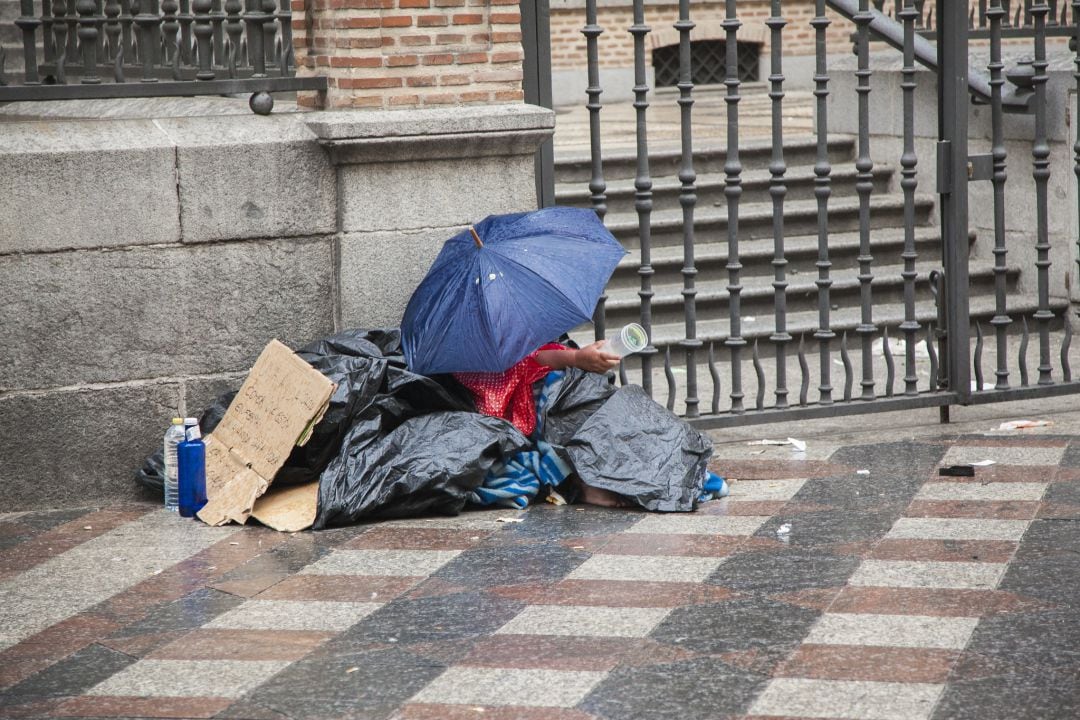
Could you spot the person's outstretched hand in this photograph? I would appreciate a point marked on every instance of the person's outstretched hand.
(593, 359)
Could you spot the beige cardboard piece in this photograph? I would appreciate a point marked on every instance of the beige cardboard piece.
(288, 509)
(279, 402)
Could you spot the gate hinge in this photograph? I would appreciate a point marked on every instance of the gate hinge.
(944, 167)
(981, 167)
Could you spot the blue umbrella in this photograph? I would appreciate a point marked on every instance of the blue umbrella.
(503, 288)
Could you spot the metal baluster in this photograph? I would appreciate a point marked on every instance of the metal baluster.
(732, 191)
(28, 23)
(1076, 145)
(170, 29)
(714, 372)
(217, 21)
(849, 374)
(890, 364)
(113, 49)
(72, 19)
(235, 28)
(931, 351)
(186, 18)
(759, 372)
(597, 186)
(643, 189)
(688, 201)
(777, 191)
(1022, 351)
(285, 61)
(1040, 153)
(48, 38)
(977, 364)
(253, 22)
(1066, 371)
(908, 183)
(203, 32)
(127, 20)
(864, 185)
(804, 371)
(1000, 322)
(60, 32)
(669, 375)
(269, 29)
(88, 40)
(146, 21)
(822, 192)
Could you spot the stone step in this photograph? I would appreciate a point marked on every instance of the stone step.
(756, 220)
(757, 299)
(709, 188)
(801, 253)
(621, 163)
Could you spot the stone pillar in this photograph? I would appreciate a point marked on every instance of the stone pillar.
(407, 181)
(387, 54)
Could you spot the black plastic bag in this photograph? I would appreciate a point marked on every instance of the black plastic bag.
(426, 465)
(633, 446)
(571, 401)
(371, 376)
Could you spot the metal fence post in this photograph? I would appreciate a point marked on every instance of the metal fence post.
(536, 83)
(953, 186)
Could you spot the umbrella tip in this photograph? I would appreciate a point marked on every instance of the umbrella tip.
(476, 237)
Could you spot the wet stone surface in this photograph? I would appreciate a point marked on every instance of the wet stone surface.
(893, 593)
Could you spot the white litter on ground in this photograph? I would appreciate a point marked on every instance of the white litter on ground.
(1024, 424)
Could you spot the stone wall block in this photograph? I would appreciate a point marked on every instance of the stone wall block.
(111, 316)
(86, 184)
(246, 177)
(380, 270)
(74, 448)
(389, 196)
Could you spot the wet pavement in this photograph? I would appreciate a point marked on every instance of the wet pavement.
(897, 593)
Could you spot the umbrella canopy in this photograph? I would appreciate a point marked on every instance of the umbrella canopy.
(503, 288)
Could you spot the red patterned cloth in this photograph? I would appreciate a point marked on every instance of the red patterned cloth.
(509, 394)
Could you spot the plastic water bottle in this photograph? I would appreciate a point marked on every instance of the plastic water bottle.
(173, 437)
(191, 455)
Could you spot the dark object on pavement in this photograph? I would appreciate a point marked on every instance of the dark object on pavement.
(498, 291)
(393, 443)
(426, 465)
(957, 471)
(633, 446)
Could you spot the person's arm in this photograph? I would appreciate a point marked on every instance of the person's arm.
(589, 358)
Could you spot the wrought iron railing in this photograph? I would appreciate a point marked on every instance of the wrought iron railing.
(913, 323)
(882, 26)
(77, 49)
(1018, 20)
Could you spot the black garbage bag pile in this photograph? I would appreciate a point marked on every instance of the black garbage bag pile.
(395, 444)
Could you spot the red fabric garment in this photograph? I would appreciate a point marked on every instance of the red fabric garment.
(509, 394)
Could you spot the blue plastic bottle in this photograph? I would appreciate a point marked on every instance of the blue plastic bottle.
(191, 456)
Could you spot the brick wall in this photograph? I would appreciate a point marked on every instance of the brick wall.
(409, 53)
(617, 45)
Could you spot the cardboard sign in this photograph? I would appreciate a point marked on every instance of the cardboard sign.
(280, 401)
(289, 509)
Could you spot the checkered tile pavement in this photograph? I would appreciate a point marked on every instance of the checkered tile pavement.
(897, 594)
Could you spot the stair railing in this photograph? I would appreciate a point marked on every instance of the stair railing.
(891, 32)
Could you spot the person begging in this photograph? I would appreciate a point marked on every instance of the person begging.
(514, 395)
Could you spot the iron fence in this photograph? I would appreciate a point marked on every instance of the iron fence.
(139, 48)
(887, 332)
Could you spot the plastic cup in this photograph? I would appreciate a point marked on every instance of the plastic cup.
(631, 339)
